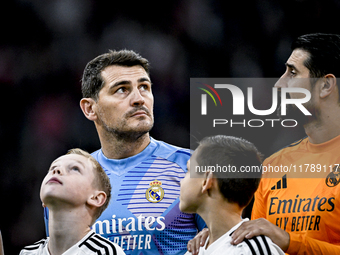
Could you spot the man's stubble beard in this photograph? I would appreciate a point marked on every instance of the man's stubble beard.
(122, 132)
(127, 135)
(293, 112)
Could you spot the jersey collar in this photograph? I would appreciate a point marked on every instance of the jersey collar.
(120, 166)
(322, 147)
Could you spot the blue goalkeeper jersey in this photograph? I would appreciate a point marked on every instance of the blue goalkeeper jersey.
(143, 216)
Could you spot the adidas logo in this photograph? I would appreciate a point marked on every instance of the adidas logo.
(281, 184)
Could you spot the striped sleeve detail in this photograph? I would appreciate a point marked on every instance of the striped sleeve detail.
(258, 245)
(266, 244)
(32, 249)
(35, 245)
(250, 246)
(99, 245)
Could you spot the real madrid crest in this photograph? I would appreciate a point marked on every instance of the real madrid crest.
(333, 178)
(155, 193)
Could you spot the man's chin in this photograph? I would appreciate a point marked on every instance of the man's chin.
(142, 127)
(293, 113)
(135, 132)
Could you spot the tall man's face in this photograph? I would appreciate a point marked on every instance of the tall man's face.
(125, 103)
(297, 75)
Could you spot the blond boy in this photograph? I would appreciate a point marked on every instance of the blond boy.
(76, 190)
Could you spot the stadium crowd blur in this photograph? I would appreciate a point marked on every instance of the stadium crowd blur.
(45, 46)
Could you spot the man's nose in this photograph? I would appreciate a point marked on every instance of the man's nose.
(281, 82)
(137, 98)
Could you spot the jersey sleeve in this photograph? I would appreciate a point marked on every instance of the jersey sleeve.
(200, 223)
(300, 244)
(259, 207)
(258, 245)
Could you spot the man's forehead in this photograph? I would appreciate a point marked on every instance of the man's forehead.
(298, 56)
(114, 72)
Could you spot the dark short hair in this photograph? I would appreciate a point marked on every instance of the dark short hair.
(237, 187)
(92, 81)
(324, 53)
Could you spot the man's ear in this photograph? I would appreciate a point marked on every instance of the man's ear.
(97, 199)
(88, 105)
(207, 182)
(328, 86)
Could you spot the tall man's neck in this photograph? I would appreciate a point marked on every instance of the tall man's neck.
(123, 147)
(326, 127)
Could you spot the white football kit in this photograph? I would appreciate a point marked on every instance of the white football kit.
(254, 246)
(92, 243)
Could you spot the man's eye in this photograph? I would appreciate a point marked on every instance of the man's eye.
(144, 87)
(121, 90)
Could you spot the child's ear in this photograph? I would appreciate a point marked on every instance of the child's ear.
(207, 182)
(88, 105)
(97, 199)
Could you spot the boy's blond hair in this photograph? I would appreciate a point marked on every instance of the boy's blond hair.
(101, 180)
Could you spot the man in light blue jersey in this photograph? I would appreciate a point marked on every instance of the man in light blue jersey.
(143, 216)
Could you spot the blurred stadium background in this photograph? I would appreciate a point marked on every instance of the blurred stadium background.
(45, 46)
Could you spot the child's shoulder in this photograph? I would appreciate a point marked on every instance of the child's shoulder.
(95, 244)
(35, 248)
(259, 245)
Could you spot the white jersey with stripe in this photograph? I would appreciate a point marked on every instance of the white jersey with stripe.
(259, 245)
(143, 215)
(92, 243)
